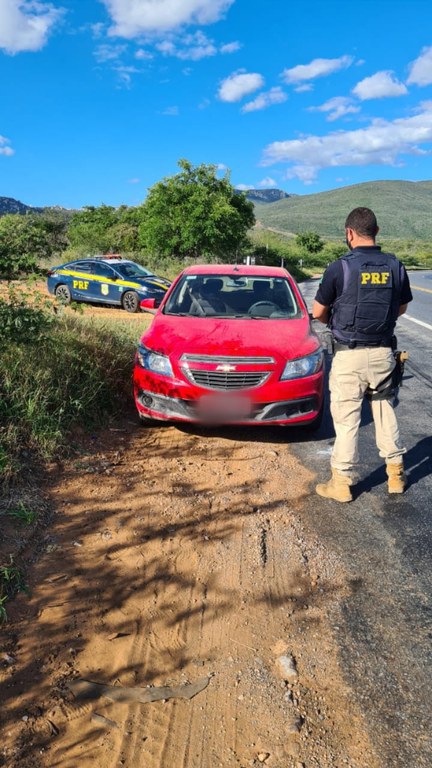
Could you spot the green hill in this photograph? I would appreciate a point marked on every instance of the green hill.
(403, 210)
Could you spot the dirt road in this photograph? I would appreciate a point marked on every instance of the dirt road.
(176, 556)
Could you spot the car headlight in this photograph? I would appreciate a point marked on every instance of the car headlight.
(303, 366)
(153, 361)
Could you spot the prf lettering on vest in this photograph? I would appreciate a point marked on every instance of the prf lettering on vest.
(82, 285)
(375, 278)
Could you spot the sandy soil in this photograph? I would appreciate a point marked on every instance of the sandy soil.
(173, 556)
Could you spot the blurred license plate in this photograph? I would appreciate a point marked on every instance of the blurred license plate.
(224, 407)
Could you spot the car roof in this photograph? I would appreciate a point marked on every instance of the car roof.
(236, 269)
(98, 260)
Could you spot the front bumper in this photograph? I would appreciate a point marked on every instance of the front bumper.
(157, 406)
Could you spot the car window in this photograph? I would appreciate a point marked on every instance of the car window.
(103, 270)
(241, 296)
(81, 266)
(130, 269)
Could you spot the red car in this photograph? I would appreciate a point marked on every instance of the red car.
(230, 344)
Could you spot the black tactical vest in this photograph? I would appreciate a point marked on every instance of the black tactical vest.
(366, 311)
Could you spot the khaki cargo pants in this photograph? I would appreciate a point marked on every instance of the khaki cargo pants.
(353, 370)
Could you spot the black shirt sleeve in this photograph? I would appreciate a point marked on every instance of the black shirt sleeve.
(406, 295)
(331, 284)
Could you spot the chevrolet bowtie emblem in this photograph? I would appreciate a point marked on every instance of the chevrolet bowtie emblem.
(226, 368)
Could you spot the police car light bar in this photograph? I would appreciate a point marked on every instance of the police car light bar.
(105, 256)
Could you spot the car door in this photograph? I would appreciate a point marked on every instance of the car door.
(106, 287)
(80, 280)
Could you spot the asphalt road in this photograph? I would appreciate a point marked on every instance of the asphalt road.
(384, 629)
(420, 310)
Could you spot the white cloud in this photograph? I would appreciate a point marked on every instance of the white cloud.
(132, 18)
(4, 147)
(189, 47)
(193, 47)
(267, 182)
(171, 111)
(134, 181)
(142, 55)
(239, 84)
(421, 69)
(266, 99)
(381, 85)
(244, 187)
(166, 47)
(97, 29)
(25, 24)
(316, 68)
(230, 47)
(106, 52)
(381, 143)
(337, 107)
(304, 88)
(124, 74)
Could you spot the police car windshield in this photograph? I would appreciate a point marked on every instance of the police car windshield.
(130, 269)
(232, 296)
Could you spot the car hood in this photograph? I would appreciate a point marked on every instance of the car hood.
(156, 283)
(281, 338)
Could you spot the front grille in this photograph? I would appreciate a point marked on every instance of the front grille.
(233, 359)
(227, 380)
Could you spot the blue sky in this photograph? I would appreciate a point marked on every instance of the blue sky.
(100, 98)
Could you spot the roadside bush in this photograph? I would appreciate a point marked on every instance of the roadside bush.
(310, 241)
(78, 373)
(24, 317)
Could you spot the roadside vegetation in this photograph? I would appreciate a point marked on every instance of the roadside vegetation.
(59, 372)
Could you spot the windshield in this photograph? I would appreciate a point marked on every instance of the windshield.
(233, 296)
(130, 269)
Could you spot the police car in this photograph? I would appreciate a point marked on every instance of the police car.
(106, 280)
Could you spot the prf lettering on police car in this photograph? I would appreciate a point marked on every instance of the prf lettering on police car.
(82, 285)
(375, 278)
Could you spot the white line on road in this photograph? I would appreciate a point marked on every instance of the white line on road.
(419, 322)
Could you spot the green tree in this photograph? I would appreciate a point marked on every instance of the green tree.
(195, 214)
(89, 230)
(24, 240)
(311, 241)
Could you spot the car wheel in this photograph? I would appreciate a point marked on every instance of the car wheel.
(130, 301)
(314, 425)
(146, 421)
(63, 294)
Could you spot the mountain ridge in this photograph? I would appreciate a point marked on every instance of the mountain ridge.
(403, 209)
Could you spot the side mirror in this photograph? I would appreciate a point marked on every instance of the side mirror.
(149, 305)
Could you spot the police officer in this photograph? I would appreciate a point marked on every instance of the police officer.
(360, 297)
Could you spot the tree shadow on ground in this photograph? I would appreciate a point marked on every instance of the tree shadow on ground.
(83, 581)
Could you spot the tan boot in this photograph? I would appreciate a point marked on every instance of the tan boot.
(337, 488)
(396, 478)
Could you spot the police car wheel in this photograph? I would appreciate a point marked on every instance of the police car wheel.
(63, 294)
(130, 301)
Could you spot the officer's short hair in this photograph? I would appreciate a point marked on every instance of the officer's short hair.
(363, 221)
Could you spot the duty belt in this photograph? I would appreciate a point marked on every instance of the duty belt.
(339, 346)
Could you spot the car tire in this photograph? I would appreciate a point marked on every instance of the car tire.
(146, 421)
(314, 425)
(63, 294)
(130, 301)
